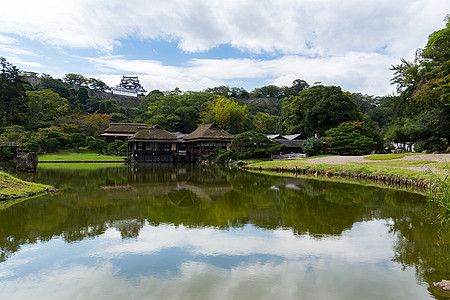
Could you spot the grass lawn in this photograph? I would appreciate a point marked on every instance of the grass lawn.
(375, 167)
(11, 187)
(389, 156)
(82, 155)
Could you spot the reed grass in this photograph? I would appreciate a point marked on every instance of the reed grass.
(439, 196)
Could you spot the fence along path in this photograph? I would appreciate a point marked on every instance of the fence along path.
(288, 156)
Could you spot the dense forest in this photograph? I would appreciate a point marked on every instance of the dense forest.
(45, 114)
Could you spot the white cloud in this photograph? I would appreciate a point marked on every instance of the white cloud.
(314, 27)
(356, 72)
(6, 39)
(351, 43)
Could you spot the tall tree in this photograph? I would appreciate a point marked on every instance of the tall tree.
(318, 108)
(178, 112)
(424, 87)
(76, 79)
(227, 113)
(425, 83)
(44, 106)
(13, 99)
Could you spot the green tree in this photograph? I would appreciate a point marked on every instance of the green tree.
(318, 108)
(425, 83)
(349, 139)
(44, 106)
(251, 144)
(32, 146)
(227, 113)
(407, 134)
(268, 91)
(331, 110)
(300, 85)
(313, 146)
(59, 87)
(178, 112)
(89, 124)
(97, 84)
(13, 133)
(115, 147)
(77, 140)
(75, 79)
(13, 99)
(97, 145)
(220, 91)
(264, 123)
(82, 95)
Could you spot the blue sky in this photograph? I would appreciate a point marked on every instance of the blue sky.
(195, 44)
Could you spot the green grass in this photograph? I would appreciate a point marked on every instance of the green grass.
(11, 188)
(363, 168)
(400, 164)
(82, 155)
(389, 156)
(439, 196)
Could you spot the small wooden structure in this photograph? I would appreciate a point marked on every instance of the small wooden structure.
(205, 139)
(288, 156)
(152, 144)
(293, 143)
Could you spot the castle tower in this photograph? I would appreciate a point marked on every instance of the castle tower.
(129, 86)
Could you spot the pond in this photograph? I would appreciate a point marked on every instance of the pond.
(189, 232)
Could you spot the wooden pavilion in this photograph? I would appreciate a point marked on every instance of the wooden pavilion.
(206, 139)
(152, 144)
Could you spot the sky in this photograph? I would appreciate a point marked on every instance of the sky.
(196, 44)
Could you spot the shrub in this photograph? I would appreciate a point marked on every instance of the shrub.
(77, 140)
(313, 146)
(32, 146)
(252, 144)
(97, 145)
(113, 148)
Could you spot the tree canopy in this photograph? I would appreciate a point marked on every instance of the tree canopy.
(318, 108)
(13, 98)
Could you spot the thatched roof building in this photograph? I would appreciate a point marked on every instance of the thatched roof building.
(209, 132)
(152, 134)
(121, 131)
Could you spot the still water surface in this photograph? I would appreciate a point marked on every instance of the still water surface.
(189, 232)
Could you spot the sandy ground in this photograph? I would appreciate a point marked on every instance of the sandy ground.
(361, 159)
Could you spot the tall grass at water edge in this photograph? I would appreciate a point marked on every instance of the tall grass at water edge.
(439, 196)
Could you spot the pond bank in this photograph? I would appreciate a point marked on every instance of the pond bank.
(412, 171)
(12, 188)
(82, 161)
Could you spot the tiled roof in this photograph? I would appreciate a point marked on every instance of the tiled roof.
(154, 133)
(208, 132)
(297, 136)
(290, 143)
(275, 136)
